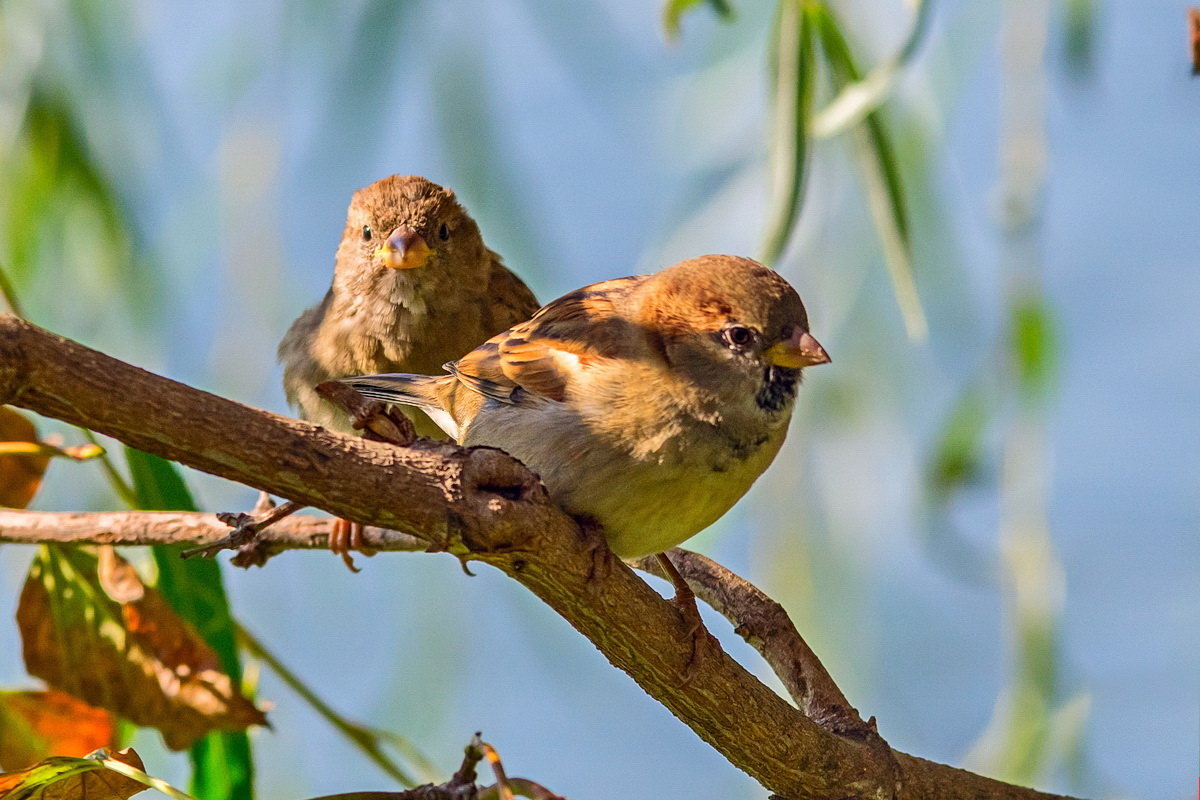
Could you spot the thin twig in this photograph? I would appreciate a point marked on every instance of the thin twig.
(503, 790)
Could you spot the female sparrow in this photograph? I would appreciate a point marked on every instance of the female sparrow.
(649, 404)
(413, 286)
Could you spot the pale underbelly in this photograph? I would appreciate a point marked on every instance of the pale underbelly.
(644, 506)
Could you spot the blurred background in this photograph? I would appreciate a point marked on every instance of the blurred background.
(989, 531)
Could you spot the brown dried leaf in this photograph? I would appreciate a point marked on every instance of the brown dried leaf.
(35, 725)
(91, 628)
(20, 475)
(62, 778)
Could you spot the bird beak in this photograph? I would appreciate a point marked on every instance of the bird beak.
(799, 350)
(404, 249)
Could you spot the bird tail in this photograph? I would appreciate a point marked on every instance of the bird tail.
(423, 391)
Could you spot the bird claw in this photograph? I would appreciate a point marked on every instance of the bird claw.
(345, 536)
(684, 601)
(598, 551)
(262, 505)
(700, 638)
(377, 421)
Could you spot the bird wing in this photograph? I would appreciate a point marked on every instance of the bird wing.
(510, 301)
(538, 359)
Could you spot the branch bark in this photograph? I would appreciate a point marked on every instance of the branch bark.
(765, 625)
(482, 505)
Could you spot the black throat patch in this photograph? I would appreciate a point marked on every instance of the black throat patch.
(778, 388)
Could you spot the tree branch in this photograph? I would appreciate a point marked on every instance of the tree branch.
(765, 625)
(755, 617)
(479, 504)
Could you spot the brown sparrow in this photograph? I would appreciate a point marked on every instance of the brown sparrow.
(413, 287)
(648, 404)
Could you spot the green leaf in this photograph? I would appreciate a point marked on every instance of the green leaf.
(222, 762)
(958, 457)
(859, 97)
(793, 72)
(59, 201)
(1079, 33)
(882, 176)
(674, 10)
(1034, 344)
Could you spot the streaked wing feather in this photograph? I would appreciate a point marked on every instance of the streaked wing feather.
(537, 358)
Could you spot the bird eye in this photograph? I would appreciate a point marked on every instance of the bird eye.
(366, 233)
(444, 232)
(738, 336)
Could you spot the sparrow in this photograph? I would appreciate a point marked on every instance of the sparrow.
(646, 404)
(413, 286)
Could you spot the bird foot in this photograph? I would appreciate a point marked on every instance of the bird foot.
(378, 422)
(684, 601)
(345, 536)
(599, 554)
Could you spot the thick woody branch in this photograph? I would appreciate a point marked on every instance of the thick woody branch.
(755, 617)
(479, 504)
(765, 625)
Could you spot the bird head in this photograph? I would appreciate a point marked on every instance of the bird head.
(407, 225)
(735, 328)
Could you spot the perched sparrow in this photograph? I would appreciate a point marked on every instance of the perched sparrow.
(648, 404)
(413, 287)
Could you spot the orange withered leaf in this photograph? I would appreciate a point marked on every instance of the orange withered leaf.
(35, 725)
(91, 628)
(20, 472)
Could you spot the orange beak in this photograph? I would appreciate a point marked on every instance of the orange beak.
(799, 350)
(404, 249)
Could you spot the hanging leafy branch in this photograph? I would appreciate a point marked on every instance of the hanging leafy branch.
(807, 40)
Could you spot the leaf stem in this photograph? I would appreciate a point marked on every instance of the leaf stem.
(141, 777)
(115, 479)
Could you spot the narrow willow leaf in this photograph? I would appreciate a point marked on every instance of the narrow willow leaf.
(793, 70)
(674, 10)
(1079, 33)
(1034, 345)
(55, 176)
(881, 174)
(223, 767)
(958, 458)
(863, 95)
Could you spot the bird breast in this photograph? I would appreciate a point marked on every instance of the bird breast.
(648, 492)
